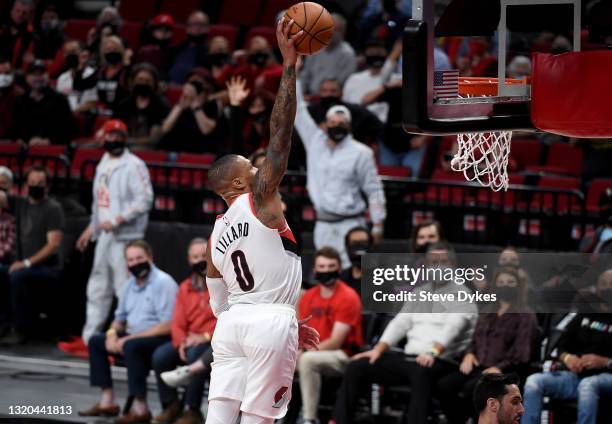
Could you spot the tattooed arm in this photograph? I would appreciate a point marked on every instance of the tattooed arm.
(270, 174)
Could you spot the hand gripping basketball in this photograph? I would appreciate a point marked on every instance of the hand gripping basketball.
(308, 337)
(286, 42)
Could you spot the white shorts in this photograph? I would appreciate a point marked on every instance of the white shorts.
(255, 351)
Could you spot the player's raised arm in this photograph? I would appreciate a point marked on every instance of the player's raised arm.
(271, 172)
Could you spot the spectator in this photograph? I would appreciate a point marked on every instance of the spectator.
(190, 126)
(155, 47)
(8, 241)
(122, 198)
(192, 52)
(503, 342)
(509, 256)
(337, 61)
(108, 23)
(599, 299)
(585, 371)
(80, 101)
(435, 341)
(9, 93)
(497, 399)
(378, 71)
(339, 170)
(45, 107)
(519, 67)
(336, 312)
(357, 242)
(17, 35)
(142, 324)
(144, 110)
(425, 234)
(218, 56)
(479, 62)
(601, 240)
(193, 325)
(37, 271)
(386, 22)
(366, 127)
(50, 35)
(110, 78)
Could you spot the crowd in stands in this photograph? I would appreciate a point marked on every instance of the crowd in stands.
(178, 88)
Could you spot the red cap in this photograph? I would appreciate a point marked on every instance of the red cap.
(115, 125)
(163, 19)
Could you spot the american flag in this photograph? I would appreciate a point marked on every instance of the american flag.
(446, 84)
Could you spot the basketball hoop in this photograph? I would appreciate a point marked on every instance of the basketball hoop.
(483, 156)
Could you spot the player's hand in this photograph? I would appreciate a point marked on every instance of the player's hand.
(286, 43)
(593, 362)
(425, 360)
(372, 355)
(469, 362)
(308, 337)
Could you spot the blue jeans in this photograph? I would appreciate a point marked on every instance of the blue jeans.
(411, 159)
(566, 385)
(166, 358)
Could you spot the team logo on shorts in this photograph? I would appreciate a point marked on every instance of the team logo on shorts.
(279, 397)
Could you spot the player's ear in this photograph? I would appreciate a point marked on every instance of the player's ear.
(492, 405)
(238, 184)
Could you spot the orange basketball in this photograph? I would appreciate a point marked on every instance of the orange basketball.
(315, 21)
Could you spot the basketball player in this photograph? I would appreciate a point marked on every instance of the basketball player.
(254, 275)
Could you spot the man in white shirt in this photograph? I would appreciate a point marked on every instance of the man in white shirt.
(80, 101)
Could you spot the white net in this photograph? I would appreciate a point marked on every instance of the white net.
(483, 157)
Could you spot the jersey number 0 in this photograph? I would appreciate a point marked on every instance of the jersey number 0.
(243, 273)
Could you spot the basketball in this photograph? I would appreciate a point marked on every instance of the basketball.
(315, 21)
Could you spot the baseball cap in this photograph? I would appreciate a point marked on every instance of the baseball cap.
(115, 125)
(339, 110)
(163, 19)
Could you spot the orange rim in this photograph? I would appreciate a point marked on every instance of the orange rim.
(482, 86)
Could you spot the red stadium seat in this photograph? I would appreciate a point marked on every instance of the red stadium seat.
(564, 202)
(137, 10)
(179, 34)
(56, 164)
(9, 155)
(563, 159)
(456, 195)
(131, 32)
(228, 31)
(505, 199)
(446, 145)
(525, 152)
(596, 188)
(394, 171)
(193, 178)
(263, 31)
(236, 12)
(179, 10)
(173, 93)
(271, 9)
(152, 156)
(78, 28)
(80, 157)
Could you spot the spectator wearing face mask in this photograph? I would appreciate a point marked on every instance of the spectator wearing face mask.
(17, 34)
(503, 342)
(80, 101)
(339, 170)
(191, 125)
(337, 61)
(336, 311)
(424, 234)
(598, 298)
(49, 37)
(142, 323)
(36, 272)
(122, 199)
(155, 46)
(111, 77)
(9, 93)
(192, 52)
(519, 67)
(48, 109)
(218, 56)
(108, 24)
(509, 256)
(365, 125)
(357, 241)
(193, 324)
(8, 240)
(144, 110)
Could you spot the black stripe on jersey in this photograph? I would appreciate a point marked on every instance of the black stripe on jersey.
(290, 245)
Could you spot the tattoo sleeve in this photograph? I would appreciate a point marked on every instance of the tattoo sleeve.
(271, 173)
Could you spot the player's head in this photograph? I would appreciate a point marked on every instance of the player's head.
(231, 176)
(497, 399)
(327, 264)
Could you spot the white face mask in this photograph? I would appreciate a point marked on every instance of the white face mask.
(5, 80)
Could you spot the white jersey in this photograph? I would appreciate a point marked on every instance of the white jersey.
(260, 265)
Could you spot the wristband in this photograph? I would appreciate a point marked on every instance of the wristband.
(434, 351)
(111, 331)
(27, 263)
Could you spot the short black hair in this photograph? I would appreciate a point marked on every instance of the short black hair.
(329, 253)
(357, 229)
(421, 225)
(221, 171)
(146, 247)
(492, 386)
(38, 168)
(145, 67)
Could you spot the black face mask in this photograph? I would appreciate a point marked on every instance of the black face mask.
(36, 192)
(161, 42)
(356, 250)
(421, 248)
(507, 294)
(218, 59)
(199, 268)
(375, 61)
(329, 101)
(338, 133)
(140, 270)
(259, 59)
(71, 61)
(113, 58)
(143, 90)
(114, 148)
(196, 38)
(327, 278)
